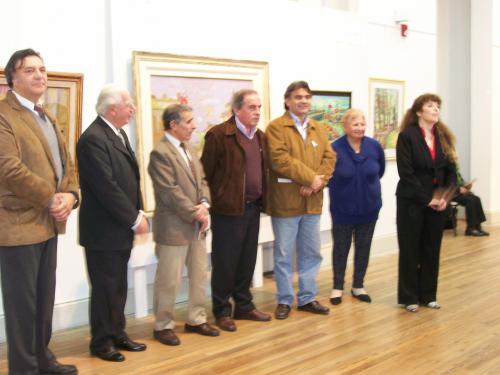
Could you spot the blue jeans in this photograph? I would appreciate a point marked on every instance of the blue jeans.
(303, 231)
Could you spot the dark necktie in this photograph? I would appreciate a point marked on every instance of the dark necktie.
(122, 138)
(190, 162)
(39, 110)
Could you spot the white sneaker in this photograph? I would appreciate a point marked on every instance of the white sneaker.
(411, 308)
(434, 305)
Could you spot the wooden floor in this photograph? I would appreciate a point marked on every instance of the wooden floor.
(356, 338)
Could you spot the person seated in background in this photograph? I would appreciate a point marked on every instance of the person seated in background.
(474, 213)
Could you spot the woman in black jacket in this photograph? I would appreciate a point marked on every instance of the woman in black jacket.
(426, 157)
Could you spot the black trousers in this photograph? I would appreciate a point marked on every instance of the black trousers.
(420, 230)
(28, 290)
(108, 278)
(474, 213)
(342, 239)
(234, 252)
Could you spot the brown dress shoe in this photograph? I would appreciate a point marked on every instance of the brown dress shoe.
(254, 315)
(314, 307)
(167, 337)
(225, 323)
(203, 329)
(282, 311)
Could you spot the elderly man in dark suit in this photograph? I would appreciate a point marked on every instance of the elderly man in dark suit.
(110, 214)
(180, 220)
(38, 190)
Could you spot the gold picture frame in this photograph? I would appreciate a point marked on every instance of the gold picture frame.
(206, 84)
(386, 104)
(63, 100)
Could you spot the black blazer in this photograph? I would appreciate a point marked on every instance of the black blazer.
(419, 175)
(110, 185)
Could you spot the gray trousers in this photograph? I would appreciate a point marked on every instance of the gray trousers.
(28, 290)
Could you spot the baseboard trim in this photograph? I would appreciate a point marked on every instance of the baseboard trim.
(493, 217)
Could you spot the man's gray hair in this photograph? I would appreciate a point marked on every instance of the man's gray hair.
(111, 94)
(173, 113)
(239, 97)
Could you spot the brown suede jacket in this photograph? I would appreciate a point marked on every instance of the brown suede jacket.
(223, 160)
(27, 177)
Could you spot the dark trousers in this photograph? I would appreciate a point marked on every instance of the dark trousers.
(234, 252)
(474, 213)
(342, 238)
(28, 290)
(420, 230)
(108, 278)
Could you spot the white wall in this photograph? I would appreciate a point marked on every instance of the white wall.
(332, 50)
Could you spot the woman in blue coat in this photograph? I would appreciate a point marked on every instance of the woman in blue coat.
(355, 201)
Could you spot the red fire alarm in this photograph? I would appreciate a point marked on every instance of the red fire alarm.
(403, 28)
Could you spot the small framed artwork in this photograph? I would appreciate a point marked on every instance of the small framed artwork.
(386, 103)
(328, 107)
(205, 84)
(63, 100)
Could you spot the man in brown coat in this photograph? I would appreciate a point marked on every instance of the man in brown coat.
(233, 158)
(38, 190)
(301, 163)
(180, 221)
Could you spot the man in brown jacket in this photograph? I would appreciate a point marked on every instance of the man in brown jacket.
(233, 158)
(301, 163)
(38, 190)
(180, 221)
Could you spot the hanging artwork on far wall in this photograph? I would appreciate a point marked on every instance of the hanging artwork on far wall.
(205, 84)
(328, 107)
(386, 100)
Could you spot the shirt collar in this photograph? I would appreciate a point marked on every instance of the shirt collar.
(115, 130)
(173, 140)
(242, 128)
(297, 121)
(25, 102)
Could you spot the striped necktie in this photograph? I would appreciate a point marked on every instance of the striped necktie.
(190, 162)
(41, 113)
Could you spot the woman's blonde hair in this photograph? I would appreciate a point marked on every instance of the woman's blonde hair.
(351, 114)
(446, 137)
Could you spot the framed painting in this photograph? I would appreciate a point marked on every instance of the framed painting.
(205, 84)
(386, 101)
(328, 107)
(63, 100)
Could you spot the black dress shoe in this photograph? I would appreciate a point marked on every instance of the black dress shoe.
(282, 311)
(362, 297)
(255, 315)
(108, 354)
(57, 368)
(203, 329)
(474, 233)
(336, 300)
(130, 346)
(314, 307)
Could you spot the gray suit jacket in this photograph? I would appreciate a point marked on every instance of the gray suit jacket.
(177, 193)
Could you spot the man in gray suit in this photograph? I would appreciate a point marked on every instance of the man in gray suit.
(180, 222)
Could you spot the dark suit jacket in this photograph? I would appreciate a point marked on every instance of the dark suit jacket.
(176, 194)
(419, 175)
(27, 176)
(111, 196)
